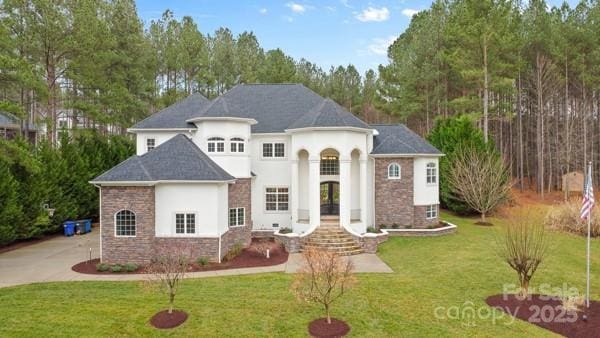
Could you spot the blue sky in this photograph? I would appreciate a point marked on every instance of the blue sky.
(329, 32)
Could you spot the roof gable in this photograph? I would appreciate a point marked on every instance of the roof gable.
(178, 159)
(175, 115)
(328, 114)
(398, 139)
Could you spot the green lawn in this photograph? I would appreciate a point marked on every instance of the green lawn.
(429, 273)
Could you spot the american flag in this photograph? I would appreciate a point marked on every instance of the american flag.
(588, 197)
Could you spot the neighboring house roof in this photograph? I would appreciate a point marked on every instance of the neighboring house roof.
(398, 139)
(276, 107)
(9, 121)
(328, 114)
(175, 115)
(178, 159)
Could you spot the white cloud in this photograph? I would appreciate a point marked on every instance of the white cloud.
(379, 46)
(374, 14)
(296, 8)
(288, 18)
(346, 4)
(409, 12)
(262, 11)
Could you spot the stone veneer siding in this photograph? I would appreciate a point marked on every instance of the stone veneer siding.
(139, 200)
(141, 248)
(420, 217)
(394, 197)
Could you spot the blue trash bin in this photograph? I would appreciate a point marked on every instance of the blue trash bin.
(69, 227)
(88, 225)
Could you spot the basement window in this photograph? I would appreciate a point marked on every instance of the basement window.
(431, 212)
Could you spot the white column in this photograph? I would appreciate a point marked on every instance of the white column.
(295, 193)
(345, 190)
(363, 191)
(314, 198)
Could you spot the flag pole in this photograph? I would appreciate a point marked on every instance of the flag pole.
(589, 219)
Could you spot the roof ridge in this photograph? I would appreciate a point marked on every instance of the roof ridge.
(143, 167)
(318, 111)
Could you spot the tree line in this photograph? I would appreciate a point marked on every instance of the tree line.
(527, 73)
(97, 60)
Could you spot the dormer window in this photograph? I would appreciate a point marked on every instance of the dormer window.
(216, 145)
(237, 145)
(150, 144)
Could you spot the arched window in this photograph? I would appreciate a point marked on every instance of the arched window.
(125, 223)
(237, 145)
(431, 173)
(394, 171)
(216, 145)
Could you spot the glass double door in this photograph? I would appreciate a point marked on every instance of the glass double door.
(330, 198)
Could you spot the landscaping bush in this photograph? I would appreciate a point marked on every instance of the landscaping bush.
(235, 250)
(116, 268)
(285, 231)
(131, 267)
(383, 226)
(373, 230)
(202, 261)
(395, 226)
(102, 267)
(566, 217)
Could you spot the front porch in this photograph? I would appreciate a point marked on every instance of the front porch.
(329, 188)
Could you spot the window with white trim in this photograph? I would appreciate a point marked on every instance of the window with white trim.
(185, 223)
(431, 173)
(150, 144)
(330, 165)
(431, 212)
(216, 145)
(394, 171)
(277, 199)
(273, 150)
(237, 217)
(236, 145)
(125, 223)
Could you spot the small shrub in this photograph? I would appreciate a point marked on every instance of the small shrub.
(566, 218)
(395, 226)
(130, 267)
(102, 267)
(285, 231)
(372, 230)
(383, 226)
(202, 261)
(408, 227)
(235, 250)
(116, 268)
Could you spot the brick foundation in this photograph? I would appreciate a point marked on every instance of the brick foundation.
(394, 197)
(420, 217)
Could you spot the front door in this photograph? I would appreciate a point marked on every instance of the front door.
(330, 198)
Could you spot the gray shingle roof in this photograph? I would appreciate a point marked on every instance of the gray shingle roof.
(8, 120)
(328, 114)
(178, 159)
(175, 115)
(398, 139)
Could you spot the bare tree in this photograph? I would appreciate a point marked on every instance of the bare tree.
(479, 178)
(167, 269)
(262, 246)
(523, 247)
(324, 277)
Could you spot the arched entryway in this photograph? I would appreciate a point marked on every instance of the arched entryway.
(330, 198)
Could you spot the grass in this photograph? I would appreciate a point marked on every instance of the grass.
(459, 270)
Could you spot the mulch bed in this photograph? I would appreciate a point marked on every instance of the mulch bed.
(320, 328)
(26, 242)
(249, 258)
(547, 312)
(164, 320)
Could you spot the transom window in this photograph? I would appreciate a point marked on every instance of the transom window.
(216, 145)
(150, 144)
(277, 199)
(431, 212)
(125, 223)
(431, 173)
(330, 165)
(237, 145)
(185, 223)
(237, 217)
(394, 171)
(274, 150)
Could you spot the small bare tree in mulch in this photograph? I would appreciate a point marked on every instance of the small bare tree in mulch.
(523, 246)
(165, 272)
(479, 178)
(323, 278)
(263, 246)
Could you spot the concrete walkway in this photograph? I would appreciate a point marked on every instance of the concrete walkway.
(362, 263)
(51, 261)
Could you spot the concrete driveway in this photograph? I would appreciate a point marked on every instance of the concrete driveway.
(49, 260)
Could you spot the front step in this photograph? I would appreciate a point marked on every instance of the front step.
(329, 236)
